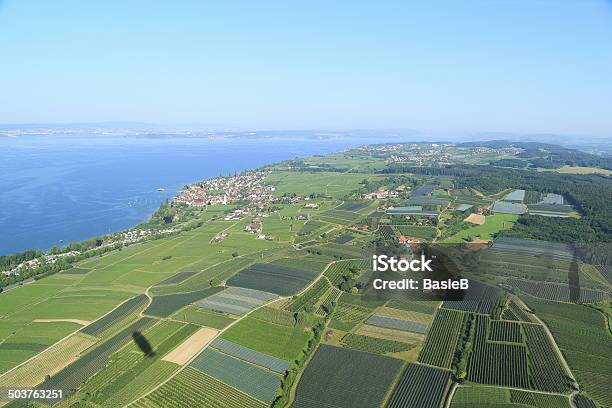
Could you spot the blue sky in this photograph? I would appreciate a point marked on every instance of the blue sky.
(515, 66)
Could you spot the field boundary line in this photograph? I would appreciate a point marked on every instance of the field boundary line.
(187, 364)
(516, 389)
(552, 340)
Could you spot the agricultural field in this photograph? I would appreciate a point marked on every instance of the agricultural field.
(373, 344)
(235, 300)
(583, 170)
(76, 271)
(185, 389)
(538, 268)
(37, 315)
(493, 225)
(191, 346)
(504, 331)
(416, 231)
(148, 378)
(337, 270)
(340, 377)
(279, 341)
(29, 340)
(251, 380)
(354, 205)
(390, 334)
(275, 278)
(343, 239)
(559, 292)
(251, 356)
(311, 227)
(479, 297)
(311, 297)
(279, 229)
(399, 324)
(497, 363)
(542, 249)
(342, 251)
(420, 306)
(337, 216)
(442, 338)
(220, 271)
(347, 315)
(130, 373)
(420, 387)
(48, 362)
(387, 232)
(478, 396)
(272, 315)
(177, 278)
(202, 317)
(118, 314)
(290, 318)
(165, 305)
(121, 377)
(583, 337)
(547, 372)
(513, 311)
(323, 183)
(71, 377)
(407, 314)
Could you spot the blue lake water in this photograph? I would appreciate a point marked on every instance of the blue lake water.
(70, 188)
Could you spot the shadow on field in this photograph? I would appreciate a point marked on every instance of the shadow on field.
(143, 344)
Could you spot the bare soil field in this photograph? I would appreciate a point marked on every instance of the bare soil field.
(477, 219)
(192, 346)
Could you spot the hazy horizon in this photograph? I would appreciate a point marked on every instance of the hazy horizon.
(127, 128)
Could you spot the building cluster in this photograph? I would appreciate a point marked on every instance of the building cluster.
(298, 217)
(408, 241)
(256, 227)
(135, 235)
(247, 186)
(360, 228)
(37, 262)
(380, 194)
(421, 155)
(485, 150)
(221, 236)
(420, 159)
(123, 238)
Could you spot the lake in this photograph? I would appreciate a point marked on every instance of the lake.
(58, 189)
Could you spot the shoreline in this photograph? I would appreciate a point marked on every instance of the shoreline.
(118, 190)
(65, 251)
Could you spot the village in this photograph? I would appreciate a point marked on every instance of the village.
(117, 240)
(227, 190)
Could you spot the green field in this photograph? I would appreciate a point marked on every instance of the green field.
(202, 317)
(321, 335)
(474, 396)
(341, 377)
(492, 225)
(279, 341)
(327, 184)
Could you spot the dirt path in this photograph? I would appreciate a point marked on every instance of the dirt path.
(550, 337)
(77, 321)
